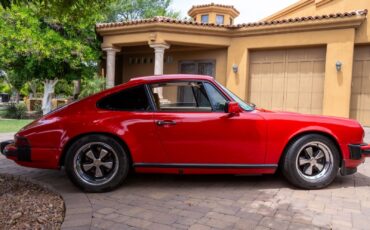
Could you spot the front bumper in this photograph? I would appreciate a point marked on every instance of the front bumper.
(357, 154)
(11, 151)
(359, 151)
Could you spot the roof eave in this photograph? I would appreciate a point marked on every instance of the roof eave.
(328, 24)
(324, 24)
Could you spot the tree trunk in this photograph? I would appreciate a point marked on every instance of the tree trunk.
(49, 86)
(76, 89)
(33, 87)
(16, 95)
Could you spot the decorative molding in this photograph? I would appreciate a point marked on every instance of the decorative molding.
(111, 49)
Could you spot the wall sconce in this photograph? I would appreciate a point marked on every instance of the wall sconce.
(338, 65)
(235, 68)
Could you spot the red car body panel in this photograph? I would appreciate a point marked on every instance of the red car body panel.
(257, 138)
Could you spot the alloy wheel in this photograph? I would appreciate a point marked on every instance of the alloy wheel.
(314, 161)
(96, 163)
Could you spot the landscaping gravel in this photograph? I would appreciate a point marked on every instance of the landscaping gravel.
(24, 205)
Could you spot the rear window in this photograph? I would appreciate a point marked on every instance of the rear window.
(132, 99)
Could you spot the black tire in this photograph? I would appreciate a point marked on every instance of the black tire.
(107, 155)
(304, 166)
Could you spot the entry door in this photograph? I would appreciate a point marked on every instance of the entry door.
(201, 132)
(203, 67)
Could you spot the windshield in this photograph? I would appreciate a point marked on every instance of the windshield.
(241, 103)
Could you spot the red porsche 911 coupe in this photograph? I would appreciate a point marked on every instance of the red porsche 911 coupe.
(185, 124)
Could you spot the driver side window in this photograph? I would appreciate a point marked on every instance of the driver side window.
(218, 101)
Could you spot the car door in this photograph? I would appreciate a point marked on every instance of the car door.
(194, 129)
(129, 115)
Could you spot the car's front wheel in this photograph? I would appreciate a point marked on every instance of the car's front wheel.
(96, 163)
(311, 162)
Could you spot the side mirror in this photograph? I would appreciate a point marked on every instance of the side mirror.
(233, 108)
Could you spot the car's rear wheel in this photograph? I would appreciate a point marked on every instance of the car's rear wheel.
(96, 163)
(311, 162)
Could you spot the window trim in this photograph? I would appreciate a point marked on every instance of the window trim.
(181, 111)
(119, 110)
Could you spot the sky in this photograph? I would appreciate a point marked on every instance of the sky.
(250, 10)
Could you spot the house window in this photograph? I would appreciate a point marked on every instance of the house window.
(204, 18)
(202, 67)
(219, 19)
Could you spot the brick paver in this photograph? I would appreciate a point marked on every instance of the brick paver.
(210, 202)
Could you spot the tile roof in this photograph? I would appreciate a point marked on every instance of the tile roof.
(166, 20)
(307, 18)
(213, 4)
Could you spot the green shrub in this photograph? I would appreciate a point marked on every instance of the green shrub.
(5, 88)
(92, 85)
(16, 111)
(63, 89)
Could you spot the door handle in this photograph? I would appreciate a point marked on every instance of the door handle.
(163, 123)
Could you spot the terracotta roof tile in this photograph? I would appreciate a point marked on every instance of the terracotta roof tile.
(213, 4)
(167, 20)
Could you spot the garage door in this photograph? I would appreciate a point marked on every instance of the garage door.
(360, 99)
(288, 80)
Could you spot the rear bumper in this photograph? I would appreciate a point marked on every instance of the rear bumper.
(9, 150)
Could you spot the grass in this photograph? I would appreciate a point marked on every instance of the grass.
(11, 126)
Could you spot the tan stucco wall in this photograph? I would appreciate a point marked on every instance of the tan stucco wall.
(339, 44)
(134, 70)
(336, 6)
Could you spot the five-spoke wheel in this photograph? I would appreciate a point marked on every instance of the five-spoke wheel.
(97, 163)
(311, 161)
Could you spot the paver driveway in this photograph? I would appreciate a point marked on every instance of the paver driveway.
(210, 202)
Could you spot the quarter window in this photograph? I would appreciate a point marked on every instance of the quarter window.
(181, 96)
(132, 99)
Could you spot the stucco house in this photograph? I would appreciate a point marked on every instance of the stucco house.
(312, 57)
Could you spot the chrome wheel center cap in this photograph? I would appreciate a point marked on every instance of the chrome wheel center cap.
(97, 162)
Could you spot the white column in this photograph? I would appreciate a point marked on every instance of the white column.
(159, 56)
(111, 66)
(158, 63)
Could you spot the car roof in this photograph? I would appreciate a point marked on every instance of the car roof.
(170, 77)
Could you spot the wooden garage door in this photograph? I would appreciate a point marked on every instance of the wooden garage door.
(288, 80)
(360, 99)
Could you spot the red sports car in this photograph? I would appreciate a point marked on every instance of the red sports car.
(185, 124)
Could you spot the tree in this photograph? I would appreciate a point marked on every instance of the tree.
(124, 10)
(51, 40)
(42, 48)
